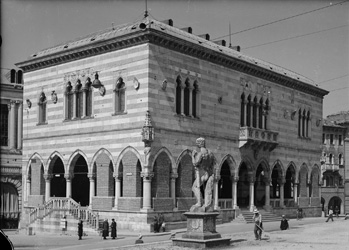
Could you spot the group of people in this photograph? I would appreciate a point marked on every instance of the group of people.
(105, 229)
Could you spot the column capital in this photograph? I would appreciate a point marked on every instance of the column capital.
(91, 175)
(147, 175)
(234, 178)
(13, 102)
(217, 177)
(174, 175)
(69, 176)
(48, 177)
(281, 181)
(117, 175)
(251, 179)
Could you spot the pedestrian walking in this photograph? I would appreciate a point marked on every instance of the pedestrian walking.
(284, 223)
(336, 211)
(113, 229)
(258, 224)
(80, 229)
(105, 229)
(330, 214)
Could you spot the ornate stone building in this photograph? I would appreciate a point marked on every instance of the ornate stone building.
(115, 117)
(11, 96)
(334, 162)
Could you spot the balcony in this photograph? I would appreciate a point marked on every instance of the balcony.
(328, 166)
(257, 138)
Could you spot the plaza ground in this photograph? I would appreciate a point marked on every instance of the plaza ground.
(309, 233)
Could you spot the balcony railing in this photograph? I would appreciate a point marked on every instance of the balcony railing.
(262, 137)
(328, 166)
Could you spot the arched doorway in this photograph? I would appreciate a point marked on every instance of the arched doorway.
(334, 202)
(58, 184)
(80, 182)
(259, 187)
(243, 192)
(185, 179)
(289, 184)
(160, 186)
(224, 184)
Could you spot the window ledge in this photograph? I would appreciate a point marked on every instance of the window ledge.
(78, 119)
(304, 138)
(119, 113)
(41, 123)
(187, 117)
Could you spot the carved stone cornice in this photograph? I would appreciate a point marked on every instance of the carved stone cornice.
(194, 47)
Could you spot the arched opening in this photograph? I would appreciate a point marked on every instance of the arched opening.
(58, 183)
(178, 95)
(248, 111)
(242, 111)
(9, 207)
(289, 184)
(185, 178)
(335, 202)
(80, 182)
(161, 180)
(259, 186)
(224, 184)
(322, 204)
(243, 192)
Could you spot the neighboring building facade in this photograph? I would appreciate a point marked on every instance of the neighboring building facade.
(334, 162)
(11, 147)
(115, 117)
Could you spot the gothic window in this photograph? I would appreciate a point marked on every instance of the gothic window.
(4, 124)
(89, 92)
(178, 95)
(69, 101)
(120, 98)
(340, 159)
(330, 158)
(307, 124)
(79, 99)
(299, 123)
(331, 139)
(42, 108)
(186, 97)
(242, 111)
(266, 112)
(340, 142)
(303, 123)
(254, 113)
(260, 114)
(323, 139)
(248, 109)
(194, 98)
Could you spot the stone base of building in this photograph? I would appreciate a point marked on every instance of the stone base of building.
(201, 232)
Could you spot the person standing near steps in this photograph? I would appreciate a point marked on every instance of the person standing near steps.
(258, 225)
(330, 214)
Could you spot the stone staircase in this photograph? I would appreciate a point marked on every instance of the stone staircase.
(246, 215)
(47, 218)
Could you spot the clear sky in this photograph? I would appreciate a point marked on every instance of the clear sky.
(314, 45)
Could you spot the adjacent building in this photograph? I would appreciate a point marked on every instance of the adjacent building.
(115, 116)
(334, 162)
(11, 118)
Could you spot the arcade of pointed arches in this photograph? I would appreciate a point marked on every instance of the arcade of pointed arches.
(242, 185)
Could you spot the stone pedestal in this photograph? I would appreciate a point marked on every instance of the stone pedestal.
(201, 232)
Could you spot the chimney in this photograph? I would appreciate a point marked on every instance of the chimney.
(168, 22)
(205, 36)
(188, 29)
(237, 48)
(220, 42)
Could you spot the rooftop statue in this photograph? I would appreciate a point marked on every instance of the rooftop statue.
(204, 164)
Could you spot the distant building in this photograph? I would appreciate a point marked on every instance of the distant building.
(334, 162)
(115, 117)
(11, 117)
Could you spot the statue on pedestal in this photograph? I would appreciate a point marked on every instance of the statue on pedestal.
(204, 163)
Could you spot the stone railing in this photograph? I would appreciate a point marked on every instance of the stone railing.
(328, 166)
(257, 135)
(289, 202)
(64, 204)
(225, 203)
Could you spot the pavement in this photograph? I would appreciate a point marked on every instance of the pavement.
(126, 238)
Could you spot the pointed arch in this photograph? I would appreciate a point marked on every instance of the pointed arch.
(73, 158)
(281, 170)
(248, 162)
(170, 156)
(98, 153)
(231, 162)
(122, 154)
(35, 155)
(181, 155)
(51, 157)
(264, 163)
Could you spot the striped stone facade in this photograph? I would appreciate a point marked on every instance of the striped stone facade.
(192, 88)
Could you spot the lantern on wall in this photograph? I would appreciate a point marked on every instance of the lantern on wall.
(147, 129)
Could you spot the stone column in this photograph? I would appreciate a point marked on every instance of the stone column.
(84, 101)
(91, 177)
(68, 177)
(182, 99)
(12, 126)
(173, 188)
(295, 192)
(257, 115)
(251, 114)
(215, 190)
(147, 176)
(235, 194)
(282, 193)
(191, 101)
(267, 193)
(47, 178)
(28, 187)
(251, 194)
(74, 103)
(117, 190)
(20, 125)
(245, 113)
